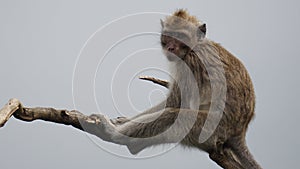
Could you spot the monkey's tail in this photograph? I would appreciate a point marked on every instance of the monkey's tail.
(243, 154)
(135, 148)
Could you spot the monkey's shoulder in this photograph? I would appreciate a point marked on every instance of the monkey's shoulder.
(227, 57)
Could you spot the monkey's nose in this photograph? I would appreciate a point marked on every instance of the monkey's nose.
(171, 48)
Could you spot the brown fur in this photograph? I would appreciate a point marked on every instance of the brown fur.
(207, 61)
(184, 15)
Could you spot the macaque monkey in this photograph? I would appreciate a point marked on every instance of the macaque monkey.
(210, 103)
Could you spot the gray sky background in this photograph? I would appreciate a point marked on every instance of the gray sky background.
(40, 42)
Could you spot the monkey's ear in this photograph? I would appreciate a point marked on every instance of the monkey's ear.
(162, 23)
(202, 28)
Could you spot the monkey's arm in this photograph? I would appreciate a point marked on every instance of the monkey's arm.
(158, 107)
(166, 126)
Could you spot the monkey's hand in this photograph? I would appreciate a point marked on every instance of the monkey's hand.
(119, 120)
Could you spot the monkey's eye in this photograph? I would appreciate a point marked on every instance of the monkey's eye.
(163, 40)
(181, 36)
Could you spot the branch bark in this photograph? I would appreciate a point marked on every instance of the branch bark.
(15, 108)
(6, 112)
(155, 80)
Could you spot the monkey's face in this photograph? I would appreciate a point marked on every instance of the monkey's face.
(179, 35)
(175, 45)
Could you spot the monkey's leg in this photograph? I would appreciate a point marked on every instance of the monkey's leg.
(169, 126)
(166, 126)
(160, 106)
(240, 149)
(225, 159)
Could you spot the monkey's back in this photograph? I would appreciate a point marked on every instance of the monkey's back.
(240, 96)
(208, 62)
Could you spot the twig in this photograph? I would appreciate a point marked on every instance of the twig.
(156, 81)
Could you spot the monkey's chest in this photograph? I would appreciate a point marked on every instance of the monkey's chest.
(190, 96)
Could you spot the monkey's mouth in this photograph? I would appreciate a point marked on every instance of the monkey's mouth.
(172, 56)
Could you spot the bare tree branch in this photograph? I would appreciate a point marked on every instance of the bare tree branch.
(156, 81)
(73, 117)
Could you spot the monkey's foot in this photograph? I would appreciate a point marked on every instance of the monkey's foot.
(106, 128)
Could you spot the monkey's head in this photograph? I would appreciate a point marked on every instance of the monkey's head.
(180, 33)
